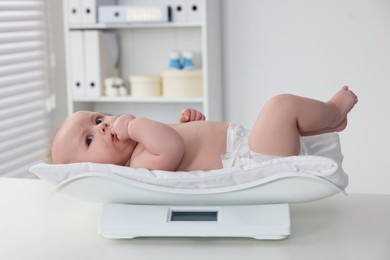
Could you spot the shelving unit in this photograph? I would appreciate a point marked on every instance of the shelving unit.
(102, 26)
(142, 99)
(144, 50)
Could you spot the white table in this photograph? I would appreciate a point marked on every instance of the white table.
(35, 225)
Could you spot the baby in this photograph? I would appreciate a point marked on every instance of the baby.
(198, 144)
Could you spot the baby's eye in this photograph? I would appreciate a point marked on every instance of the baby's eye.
(89, 140)
(98, 120)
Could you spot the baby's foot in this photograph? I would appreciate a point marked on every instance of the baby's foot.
(343, 102)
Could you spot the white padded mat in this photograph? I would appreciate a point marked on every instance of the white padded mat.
(324, 160)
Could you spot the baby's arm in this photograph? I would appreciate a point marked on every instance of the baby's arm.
(190, 114)
(159, 147)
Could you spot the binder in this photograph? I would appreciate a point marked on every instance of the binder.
(179, 11)
(89, 9)
(99, 58)
(77, 64)
(74, 12)
(195, 10)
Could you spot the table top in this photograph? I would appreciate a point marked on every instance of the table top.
(37, 225)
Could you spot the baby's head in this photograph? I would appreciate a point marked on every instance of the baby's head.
(86, 137)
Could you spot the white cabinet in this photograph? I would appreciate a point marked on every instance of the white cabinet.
(141, 49)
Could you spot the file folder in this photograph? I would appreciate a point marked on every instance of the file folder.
(179, 11)
(99, 61)
(90, 7)
(74, 12)
(194, 10)
(77, 64)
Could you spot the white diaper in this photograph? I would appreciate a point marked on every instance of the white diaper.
(237, 149)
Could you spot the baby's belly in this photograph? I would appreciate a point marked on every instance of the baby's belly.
(201, 162)
(204, 144)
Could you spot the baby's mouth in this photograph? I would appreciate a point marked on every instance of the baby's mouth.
(114, 137)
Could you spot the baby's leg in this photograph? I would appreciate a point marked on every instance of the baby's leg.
(285, 117)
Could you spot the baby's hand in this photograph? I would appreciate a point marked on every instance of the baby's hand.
(121, 126)
(190, 114)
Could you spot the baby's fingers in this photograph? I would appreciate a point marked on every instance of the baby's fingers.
(190, 114)
(185, 115)
(199, 116)
(120, 127)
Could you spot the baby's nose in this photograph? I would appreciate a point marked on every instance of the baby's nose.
(104, 127)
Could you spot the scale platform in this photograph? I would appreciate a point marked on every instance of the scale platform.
(125, 221)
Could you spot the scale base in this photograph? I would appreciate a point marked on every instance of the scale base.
(125, 221)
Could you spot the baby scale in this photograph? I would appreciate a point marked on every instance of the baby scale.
(124, 221)
(251, 201)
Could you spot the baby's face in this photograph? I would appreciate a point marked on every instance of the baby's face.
(86, 137)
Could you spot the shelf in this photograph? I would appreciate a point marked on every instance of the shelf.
(129, 99)
(132, 26)
(142, 49)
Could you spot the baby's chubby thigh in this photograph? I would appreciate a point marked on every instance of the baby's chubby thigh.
(273, 134)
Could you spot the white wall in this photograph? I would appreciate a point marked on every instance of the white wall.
(312, 48)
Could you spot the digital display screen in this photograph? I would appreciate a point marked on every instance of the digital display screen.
(194, 216)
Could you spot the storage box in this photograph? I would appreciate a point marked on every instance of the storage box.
(182, 83)
(134, 14)
(145, 86)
